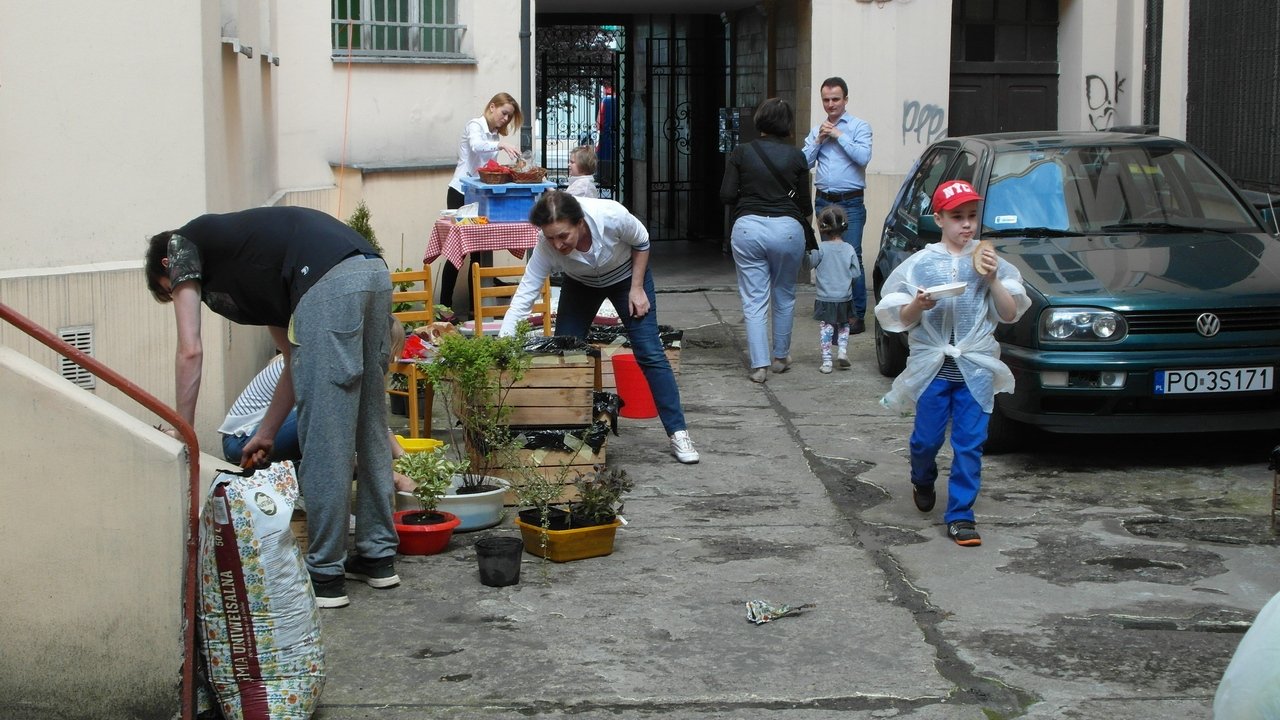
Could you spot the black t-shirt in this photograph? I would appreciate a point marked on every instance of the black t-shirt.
(254, 266)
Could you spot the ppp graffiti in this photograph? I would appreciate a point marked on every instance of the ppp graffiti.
(927, 122)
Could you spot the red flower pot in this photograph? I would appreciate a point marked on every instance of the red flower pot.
(424, 539)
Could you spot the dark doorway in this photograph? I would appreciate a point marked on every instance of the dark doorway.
(1004, 66)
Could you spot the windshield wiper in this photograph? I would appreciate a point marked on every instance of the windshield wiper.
(1036, 232)
(1160, 226)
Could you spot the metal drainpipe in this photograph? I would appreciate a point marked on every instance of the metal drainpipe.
(190, 584)
(526, 129)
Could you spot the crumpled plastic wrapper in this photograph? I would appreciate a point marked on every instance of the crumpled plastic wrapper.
(761, 612)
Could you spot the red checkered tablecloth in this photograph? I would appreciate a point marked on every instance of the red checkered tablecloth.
(457, 241)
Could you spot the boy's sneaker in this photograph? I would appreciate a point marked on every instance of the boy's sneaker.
(379, 573)
(682, 447)
(924, 496)
(964, 533)
(825, 368)
(331, 591)
(842, 360)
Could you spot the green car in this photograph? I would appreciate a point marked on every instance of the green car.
(1155, 287)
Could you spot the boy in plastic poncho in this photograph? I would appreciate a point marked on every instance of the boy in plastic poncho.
(954, 369)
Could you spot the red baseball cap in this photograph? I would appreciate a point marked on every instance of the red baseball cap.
(952, 193)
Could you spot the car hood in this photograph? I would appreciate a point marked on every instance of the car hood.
(1134, 271)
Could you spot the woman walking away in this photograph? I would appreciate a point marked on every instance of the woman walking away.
(836, 267)
(767, 182)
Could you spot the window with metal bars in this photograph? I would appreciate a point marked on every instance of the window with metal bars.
(393, 29)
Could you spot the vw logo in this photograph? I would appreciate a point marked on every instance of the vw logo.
(1208, 324)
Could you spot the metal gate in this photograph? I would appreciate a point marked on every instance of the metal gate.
(1233, 92)
(579, 87)
(678, 111)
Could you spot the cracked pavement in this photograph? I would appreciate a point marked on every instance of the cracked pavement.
(1116, 577)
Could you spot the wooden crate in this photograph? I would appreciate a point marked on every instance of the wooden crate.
(550, 464)
(555, 391)
(604, 378)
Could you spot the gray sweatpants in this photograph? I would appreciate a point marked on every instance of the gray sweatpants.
(339, 367)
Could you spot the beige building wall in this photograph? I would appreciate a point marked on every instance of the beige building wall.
(1174, 55)
(1099, 64)
(93, 517)
(895, 57)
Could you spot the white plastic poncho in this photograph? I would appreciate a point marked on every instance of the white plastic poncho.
(971, 316)
(1250, 687)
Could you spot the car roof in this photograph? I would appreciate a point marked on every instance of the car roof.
(1040, 139)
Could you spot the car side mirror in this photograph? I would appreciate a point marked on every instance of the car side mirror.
(927, 229)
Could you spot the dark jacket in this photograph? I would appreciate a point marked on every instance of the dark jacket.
(751, 188)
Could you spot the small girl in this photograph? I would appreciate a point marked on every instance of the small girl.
(835, 267)
(582, 170)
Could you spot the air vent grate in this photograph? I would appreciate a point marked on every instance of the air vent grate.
(80, 338)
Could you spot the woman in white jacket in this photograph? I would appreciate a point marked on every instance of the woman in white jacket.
(480, 143)
(603, 252)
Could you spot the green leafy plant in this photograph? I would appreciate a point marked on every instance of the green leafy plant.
(474, 375)
(360, 221)
(432, 471)
(600, 494)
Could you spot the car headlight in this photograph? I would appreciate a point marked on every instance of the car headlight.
(1087, 324)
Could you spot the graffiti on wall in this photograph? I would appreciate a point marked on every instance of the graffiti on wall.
(1102, 100)
(927, 122)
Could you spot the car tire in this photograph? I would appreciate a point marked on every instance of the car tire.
(1003, 435)
(891, 353)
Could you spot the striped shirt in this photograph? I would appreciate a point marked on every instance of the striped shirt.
(247, 411)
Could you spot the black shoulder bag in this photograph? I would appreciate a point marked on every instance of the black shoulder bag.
(810, 240)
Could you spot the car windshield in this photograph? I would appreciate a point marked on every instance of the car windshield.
(1111, 189)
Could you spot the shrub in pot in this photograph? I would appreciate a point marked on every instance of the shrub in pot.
(426, 531)
(575, 530)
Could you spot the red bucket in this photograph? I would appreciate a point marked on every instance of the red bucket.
(637, 400)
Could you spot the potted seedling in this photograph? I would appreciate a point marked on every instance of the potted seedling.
(575, 530)
(426, 531)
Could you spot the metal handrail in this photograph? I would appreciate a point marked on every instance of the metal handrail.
(150, 402)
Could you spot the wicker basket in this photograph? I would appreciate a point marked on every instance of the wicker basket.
(494, 178)
(529, 176)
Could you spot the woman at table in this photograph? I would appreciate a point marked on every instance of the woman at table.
(479, 144)
(603, 252)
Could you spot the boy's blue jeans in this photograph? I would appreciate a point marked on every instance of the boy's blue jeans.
(941, 401)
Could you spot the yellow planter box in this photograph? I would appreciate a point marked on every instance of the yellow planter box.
(566, 545)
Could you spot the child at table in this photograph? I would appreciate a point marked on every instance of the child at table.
(582, 170)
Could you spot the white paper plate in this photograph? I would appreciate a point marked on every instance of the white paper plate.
(938, 292)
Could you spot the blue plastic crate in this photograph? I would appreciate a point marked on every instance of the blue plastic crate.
(504, 202)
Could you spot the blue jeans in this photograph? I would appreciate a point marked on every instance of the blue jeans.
(579, 305)
(857, 213)
(285, 448)
(766, 255)
(944, 400)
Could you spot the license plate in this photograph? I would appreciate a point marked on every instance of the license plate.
(1184, 382)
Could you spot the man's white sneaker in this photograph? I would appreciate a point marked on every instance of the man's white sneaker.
(842, 360)
(682, 447)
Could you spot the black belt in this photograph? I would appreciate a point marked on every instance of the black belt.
(840, 197)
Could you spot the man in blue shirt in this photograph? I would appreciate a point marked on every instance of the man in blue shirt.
(840, 149)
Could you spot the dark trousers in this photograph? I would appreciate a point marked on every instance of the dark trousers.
(449, 273)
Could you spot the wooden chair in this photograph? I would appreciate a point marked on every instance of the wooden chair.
(413, 305)
(503, 293)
